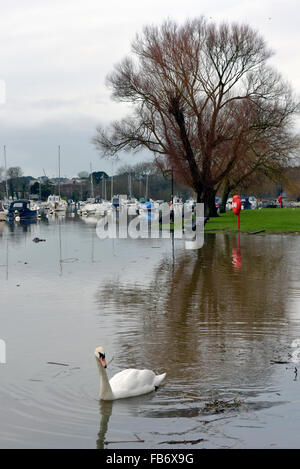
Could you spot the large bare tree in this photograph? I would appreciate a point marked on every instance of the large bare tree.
(203, 100)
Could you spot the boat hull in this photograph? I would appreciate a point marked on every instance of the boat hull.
(23, 214)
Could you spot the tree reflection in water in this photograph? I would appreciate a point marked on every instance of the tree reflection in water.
(205, 323)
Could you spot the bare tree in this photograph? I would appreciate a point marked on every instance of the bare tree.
(268, 147)
(203, 99)
(14, 172)
(83, 175)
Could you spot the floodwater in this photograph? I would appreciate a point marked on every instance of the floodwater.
(223, 322)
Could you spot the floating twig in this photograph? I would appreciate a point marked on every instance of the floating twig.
(138, 440)
(256, 232)
(112, 358)
(182, 442)
(123, 441)
(279, 362)
(215, 420)
(56, 363)
(197, 397)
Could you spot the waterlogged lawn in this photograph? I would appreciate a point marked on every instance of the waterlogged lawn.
(268, 219)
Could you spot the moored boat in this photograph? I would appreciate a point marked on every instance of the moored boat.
(3, 212)
(55, 203)
(20, 210)
(96, 207)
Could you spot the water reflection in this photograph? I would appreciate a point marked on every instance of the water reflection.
(24, 225)
(4, 260)
(105, 412)
(200, 322)
(237, 255)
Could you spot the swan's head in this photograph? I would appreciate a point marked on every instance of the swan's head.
(100, 356)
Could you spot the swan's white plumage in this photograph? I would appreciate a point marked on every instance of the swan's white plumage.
(133, 382)
(126, 383)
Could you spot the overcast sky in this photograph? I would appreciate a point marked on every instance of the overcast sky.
(55, 55)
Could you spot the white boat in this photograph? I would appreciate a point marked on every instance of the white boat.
(97, 207)
(132, 205)
(36, 205)
(118, 201)
(4, 206)
(177, 203)
(56, 204)
(189, 204)
(229, 203)
(3, 213)
(150, 206)
(253, 201)
(61, 207)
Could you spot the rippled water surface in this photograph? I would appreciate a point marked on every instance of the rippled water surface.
(222, 322)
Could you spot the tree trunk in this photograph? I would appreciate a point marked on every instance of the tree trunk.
(225, 195)
(208, 198)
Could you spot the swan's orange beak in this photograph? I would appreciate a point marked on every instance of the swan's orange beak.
(103, 362)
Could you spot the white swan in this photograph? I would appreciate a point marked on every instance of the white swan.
(126, 383)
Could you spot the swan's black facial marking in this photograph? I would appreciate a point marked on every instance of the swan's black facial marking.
(102, 359)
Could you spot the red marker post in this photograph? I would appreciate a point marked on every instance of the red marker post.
(236, 207)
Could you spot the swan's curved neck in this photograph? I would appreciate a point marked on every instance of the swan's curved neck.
(105, 389)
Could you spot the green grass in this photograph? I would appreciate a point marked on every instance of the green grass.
(268, 219)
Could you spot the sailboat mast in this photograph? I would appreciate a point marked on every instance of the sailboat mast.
(92, 182)
(112, 182)
(59, 170)
(147, 182)
(129, 185)
(5, 167)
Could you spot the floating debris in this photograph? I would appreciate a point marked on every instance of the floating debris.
(215, 405)
(256, 232)
(214, 420)
(137, 440)
(182, 442)
(55, 363)
(279, 362)
(38, 240)
(197, 397)
(69, 260)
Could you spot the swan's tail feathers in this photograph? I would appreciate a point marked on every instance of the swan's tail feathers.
(159, 379)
